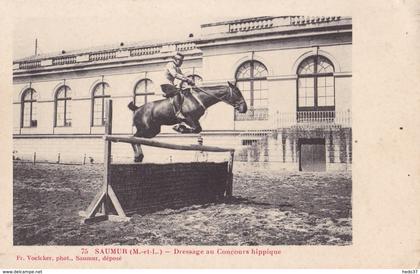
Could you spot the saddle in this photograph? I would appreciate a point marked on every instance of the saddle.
(169, 92)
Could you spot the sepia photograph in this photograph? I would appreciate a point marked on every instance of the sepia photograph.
(143, 131)
(237, 134)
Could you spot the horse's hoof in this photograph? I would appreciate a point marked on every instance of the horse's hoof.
(138, 159)
(179, 128)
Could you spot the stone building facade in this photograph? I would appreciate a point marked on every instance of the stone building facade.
(295, 73)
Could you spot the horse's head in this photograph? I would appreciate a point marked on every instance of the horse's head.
(237, 99)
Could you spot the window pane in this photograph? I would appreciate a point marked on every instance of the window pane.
(306, 82)
(246, 94)
(244, 71)
(321, 101)
(244, 85)
(307, 66)
(264, 94)
(101, 89)
(310, 102)
(309, 82)
(302, 102)
(68, 112)
(97, 111)
(264, 84)
(309, 92)
(329, 81)
(60, 113)
(321, 81)
(260, 85)
(329, 91)
(321, 91)
(61, 93)
(27, 114)
(259, 70)
(329, 101)
(144, 86)
(324, 65)
(34, 109)
(27, 96)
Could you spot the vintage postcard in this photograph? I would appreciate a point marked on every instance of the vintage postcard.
(210, 134)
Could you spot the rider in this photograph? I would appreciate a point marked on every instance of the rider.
(172, 72)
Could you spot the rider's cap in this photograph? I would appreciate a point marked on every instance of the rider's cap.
(178, 55)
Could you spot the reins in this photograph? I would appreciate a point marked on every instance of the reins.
(218, 98)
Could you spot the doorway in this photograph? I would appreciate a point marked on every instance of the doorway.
(312, 156)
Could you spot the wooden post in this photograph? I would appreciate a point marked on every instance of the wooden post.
(106, 196)
(84, 159)
(107, 154)
(58, 158)
(34, 160)
(229, 184)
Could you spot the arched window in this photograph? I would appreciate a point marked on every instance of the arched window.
(29, 98)
(141, 91)
(315, 87)
(63, 107)
(99, 96)
(251, 79)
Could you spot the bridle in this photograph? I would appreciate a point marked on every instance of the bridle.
(222, 99)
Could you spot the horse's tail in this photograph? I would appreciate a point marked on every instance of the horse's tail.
(132, 106)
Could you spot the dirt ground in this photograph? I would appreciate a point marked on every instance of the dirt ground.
(269, 208)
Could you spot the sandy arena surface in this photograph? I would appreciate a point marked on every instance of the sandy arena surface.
(268, 208)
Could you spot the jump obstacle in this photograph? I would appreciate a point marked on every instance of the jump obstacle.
(149, 187)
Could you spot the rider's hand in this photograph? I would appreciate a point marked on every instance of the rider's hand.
(191, 82)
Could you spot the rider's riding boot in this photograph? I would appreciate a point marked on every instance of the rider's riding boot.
(178, 106)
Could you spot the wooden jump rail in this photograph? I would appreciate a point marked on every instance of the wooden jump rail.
(148, 142)
(99, 208)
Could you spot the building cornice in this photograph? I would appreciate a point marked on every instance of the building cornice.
(37, 64)
(278, 35)
(214, 34)
(113, 63)
(266, 25)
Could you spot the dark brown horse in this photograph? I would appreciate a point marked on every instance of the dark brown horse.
(149, 117)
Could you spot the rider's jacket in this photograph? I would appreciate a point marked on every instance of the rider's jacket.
(173, 72)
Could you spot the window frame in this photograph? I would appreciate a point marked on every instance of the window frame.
(31, 102)
(102, 97)
(65, 99)
(315, 76)
(145, 94)
(252, 111)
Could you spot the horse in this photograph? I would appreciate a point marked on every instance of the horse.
(149, 117)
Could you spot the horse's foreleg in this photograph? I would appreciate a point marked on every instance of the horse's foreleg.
(138, 153)
(195, 126)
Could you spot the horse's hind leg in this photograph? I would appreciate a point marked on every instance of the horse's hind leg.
(138, 153)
